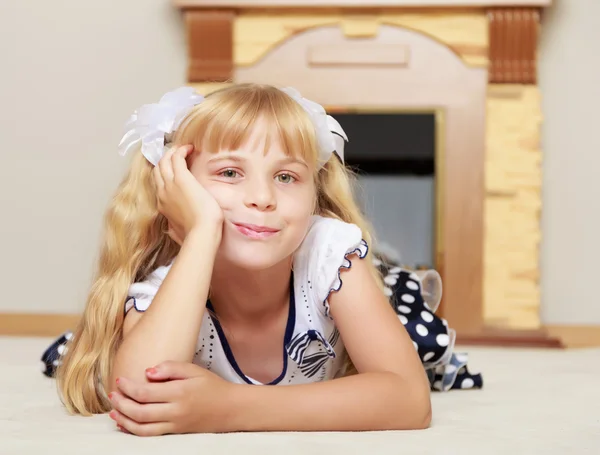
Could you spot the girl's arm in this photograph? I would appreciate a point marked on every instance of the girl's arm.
(169, 328)
(391, 391)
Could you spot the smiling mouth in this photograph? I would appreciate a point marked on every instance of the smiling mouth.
(255, 232)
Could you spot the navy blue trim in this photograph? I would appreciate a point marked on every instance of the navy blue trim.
(347, 267)
(134, 304)
(289, 332)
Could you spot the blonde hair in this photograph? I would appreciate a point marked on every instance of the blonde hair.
(135, 234)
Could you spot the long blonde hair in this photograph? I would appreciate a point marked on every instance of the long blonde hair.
(135, 234)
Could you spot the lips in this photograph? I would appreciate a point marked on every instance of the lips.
(254, 231)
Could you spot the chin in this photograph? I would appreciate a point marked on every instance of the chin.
(252, 257)
(252, 254)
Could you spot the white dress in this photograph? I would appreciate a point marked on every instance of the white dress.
(313, 350)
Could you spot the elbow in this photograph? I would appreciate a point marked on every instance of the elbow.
(419, 419)
(415, 413)
(422, 411)
(424, 417)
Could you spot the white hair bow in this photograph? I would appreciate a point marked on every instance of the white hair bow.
(331, 137)
(152, 123)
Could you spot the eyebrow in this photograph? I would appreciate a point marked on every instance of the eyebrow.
(227, 156)
(239, 158)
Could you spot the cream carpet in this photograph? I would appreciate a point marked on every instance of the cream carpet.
(533, 402)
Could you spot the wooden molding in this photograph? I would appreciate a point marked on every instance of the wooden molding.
(549, 336)
(576, 336)
(210, 45)
(510, 339)
(185, 4)
(513, 35)
(37, 325)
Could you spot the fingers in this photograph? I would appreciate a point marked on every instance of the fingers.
(141, 429)
(164, 173)
(148, 392)
(178, 159)
(173, 370)
(165, 166)
(141, 413)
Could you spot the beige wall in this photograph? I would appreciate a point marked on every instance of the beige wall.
(570, 84)
(71, 71)
(70, 76)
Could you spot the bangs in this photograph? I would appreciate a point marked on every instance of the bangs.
(226, 119)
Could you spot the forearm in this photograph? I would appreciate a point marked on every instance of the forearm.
(168, 330)
(369, 401)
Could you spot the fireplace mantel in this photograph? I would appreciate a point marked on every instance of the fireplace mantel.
(246, 4)
(489, 177)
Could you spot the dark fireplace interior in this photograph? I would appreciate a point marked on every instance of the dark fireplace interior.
(394, 157)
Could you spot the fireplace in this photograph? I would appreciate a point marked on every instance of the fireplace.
(394, 155)
(465, 70)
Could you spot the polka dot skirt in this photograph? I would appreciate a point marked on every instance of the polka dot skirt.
(431, 336)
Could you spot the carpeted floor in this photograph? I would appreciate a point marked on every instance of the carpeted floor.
(533, 402)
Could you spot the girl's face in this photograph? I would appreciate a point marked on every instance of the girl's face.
(267, 200)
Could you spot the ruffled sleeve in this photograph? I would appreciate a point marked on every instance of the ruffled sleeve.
(333, 245)
(141, 293)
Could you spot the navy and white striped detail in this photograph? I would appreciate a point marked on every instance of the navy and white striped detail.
(297, 346)
(313, 364)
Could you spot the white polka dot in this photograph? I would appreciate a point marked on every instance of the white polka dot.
(450, 369)
(56, 363)
(387, 291)
(403, 319)
(427, 316)
(407, 298)
(428, 356)
(412, 285)
(68, 336)
(462, 358)
(395, 270)
(42, 366)
(391, 280)
(62, 349)
(467, 383)
(442, 339)
(437, 385)
(376, 262)
(403, 309)
(422, 330)
(416, 345)
(445, 322)
(414, 276)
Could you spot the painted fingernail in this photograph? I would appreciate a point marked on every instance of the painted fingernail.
(110, 396)
(118, 379)
(113, 415)
(151, 370)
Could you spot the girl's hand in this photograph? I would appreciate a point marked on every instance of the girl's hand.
(181, 398)
(181, 198)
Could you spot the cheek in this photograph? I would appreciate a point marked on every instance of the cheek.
(225, 195)
(299, 206)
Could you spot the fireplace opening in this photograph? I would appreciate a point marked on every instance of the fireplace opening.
(394, 155)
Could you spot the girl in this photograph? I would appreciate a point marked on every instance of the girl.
(234, 257)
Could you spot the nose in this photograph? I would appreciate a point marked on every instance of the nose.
(260, 194)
